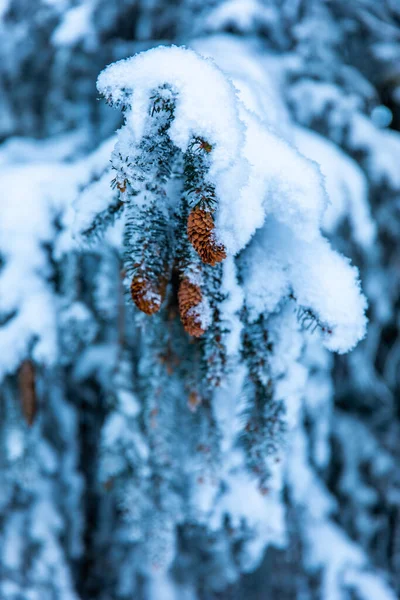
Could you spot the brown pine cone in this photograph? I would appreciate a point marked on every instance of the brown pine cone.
(189, 296)
(146, 295)
(200, 230)
(194, 401)
(27, 391)
(122, 186)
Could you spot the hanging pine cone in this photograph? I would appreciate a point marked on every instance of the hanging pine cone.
(201, 235)
(194, 401)
(122, 186)
(189, 297)
(146, 295)
(27, 391)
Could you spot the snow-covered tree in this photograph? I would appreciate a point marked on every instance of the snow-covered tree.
(181, 418)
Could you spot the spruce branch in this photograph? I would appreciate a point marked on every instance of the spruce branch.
(264, 425)
(310, 322)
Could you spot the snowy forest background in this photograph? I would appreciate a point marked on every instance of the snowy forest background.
(189, 406)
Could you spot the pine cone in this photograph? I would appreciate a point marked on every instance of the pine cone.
(122, 186)
(189, 296)
(27, 391)
(194, 401)
(146, 295)
(201, 235)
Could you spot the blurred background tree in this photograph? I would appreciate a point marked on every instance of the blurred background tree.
(76, 519)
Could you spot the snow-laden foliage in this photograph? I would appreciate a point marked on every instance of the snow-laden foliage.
(256, 181)
(268, 274)
(173, 423)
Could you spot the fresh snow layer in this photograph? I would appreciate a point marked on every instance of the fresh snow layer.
(320, 279)
(279, 182)
(345, 183)
(206, 100)
(26, 295)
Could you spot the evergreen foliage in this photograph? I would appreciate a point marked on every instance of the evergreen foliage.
(174, 424)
